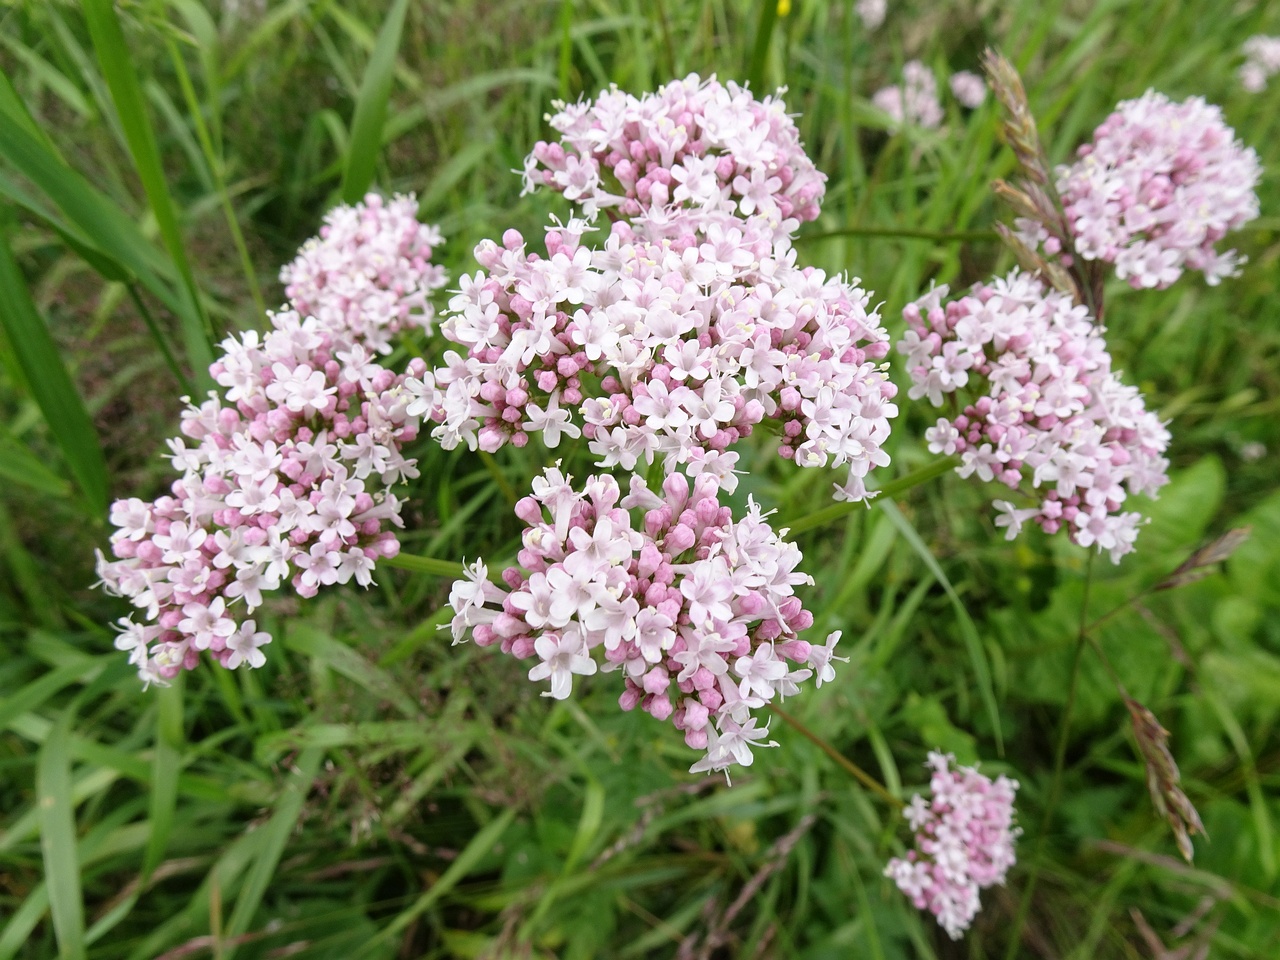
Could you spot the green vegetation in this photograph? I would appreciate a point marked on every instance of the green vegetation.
(374, 792)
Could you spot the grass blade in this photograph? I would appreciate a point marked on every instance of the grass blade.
(968, 630)
(58, 839)
(126, 93)
(165, 767)
(271, 840)
(371, 107)
(471, 855)
(49, 383)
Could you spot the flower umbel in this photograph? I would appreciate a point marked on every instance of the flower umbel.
(964, 840)
(697, 611)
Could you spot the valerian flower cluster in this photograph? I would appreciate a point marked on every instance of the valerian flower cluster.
(964, 842)
(696, 611)
(1049, 417)
(289, 471)
(1157, 187)
(686, 343)
(695, 152)
(369, 272)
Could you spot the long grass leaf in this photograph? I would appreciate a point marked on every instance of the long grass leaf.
(58, 839)
(50, 385)
(116, 61)
(271, 841)
(365, 141)
(308, 640)
(165, 767)
(968, 630)
(98, 223)
(475, 851)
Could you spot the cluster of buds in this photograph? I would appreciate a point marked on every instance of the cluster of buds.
(289, 473)
(671, 348)
(1050, 413)
(694, 152)
(964, 842)
(695, 610)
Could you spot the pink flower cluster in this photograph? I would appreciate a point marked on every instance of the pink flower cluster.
(672, 348)
(914, 102)
(964, 837)
(697, 611)
(1159, 185)
(1261, 62)
(288, 481)
(368, 272)
(1050, 410)
(968, 88)
(695, 150)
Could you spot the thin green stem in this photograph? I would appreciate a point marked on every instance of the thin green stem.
(906, 233)
(158, 336)
(893, 488)
(214, 162)
(760, 51)
(433, 567)
(1059, 763)
(495, 471)
(864, 778)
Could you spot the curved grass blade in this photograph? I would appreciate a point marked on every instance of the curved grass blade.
(968, 630)
(371, 107)
(271, 841)
(126, 92)
(50, 385)
(58, 839)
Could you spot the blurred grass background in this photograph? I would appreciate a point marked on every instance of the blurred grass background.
(373, 792)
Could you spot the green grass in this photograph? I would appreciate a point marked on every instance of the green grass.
(374, 792)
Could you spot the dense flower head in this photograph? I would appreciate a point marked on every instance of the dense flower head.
(695, 610)
(871, 12)
(914, 102)
(1051, 418)
(968, 88)
(694, 152)
(368, 274)
(964, 839)
(1261, 62)
(1157, 187)
(672, 348)
(286, 478)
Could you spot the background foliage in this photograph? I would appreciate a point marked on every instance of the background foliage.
(373, 792)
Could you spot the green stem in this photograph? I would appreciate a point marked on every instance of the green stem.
(905, 233)
(214, 162)
(760, 52)
(170, 360)
(440, 568)
(1059, 762)
(864, 778)
(495, 471)
(891, 489)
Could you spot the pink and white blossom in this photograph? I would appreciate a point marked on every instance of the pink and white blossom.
(1049, 418)
(1156, 189)
(964, 842)
(695, 610)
